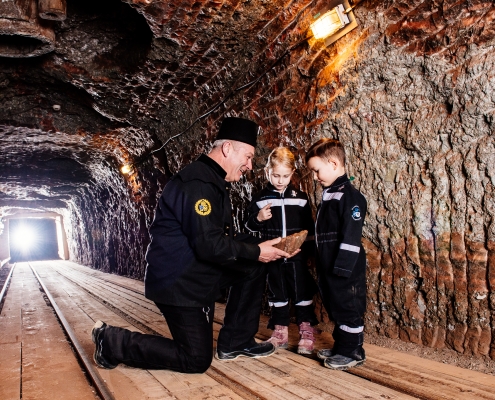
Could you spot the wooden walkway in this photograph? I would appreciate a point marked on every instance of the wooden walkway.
(85, 295)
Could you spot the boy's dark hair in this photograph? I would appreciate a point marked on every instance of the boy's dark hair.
(326, 148)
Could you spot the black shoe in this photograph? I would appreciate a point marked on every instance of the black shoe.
(97, 336)
(323, 354)
(262, 349)
(340, 362)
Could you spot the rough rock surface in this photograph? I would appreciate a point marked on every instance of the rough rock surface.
(410, 92)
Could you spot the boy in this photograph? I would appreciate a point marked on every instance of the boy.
(341, 260)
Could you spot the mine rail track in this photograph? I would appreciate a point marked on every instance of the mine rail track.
(82, 356)
(6, 285)
(79, 296)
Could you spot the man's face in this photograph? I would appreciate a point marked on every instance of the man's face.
(238, 160)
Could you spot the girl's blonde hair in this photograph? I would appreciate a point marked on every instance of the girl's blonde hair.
(281, 156)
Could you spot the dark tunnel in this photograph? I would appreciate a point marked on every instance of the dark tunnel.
(409, 91)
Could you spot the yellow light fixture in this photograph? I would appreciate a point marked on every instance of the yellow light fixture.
(337, 21)
(330, 22)
(127, 169)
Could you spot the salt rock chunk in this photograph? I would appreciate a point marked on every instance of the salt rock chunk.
(291, 243)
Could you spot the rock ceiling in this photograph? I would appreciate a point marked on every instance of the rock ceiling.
(123, 76)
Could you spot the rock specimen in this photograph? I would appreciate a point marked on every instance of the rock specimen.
(291, 243)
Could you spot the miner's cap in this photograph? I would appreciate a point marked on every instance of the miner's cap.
(239, 129)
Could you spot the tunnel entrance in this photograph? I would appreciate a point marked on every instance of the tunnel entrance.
(33, 239)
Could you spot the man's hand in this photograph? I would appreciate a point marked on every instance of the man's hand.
(265, 213)
(269, 253)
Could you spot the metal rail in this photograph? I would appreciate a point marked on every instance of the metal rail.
(6, 284)
(98, 383)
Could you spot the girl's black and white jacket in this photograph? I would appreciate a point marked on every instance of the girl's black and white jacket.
(291, 213)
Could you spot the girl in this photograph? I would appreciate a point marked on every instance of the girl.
(280, 210)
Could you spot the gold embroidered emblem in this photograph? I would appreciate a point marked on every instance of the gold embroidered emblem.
(203, 207)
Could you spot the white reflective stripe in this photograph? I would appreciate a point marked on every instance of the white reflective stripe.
(279, 304)
(273, 202)
(295, 202)
(280, 202)
(349, 247)
(284, 224)
(351, 330)
(330, 196)
(304, 303)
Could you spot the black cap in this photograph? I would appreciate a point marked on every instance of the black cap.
(239, 129)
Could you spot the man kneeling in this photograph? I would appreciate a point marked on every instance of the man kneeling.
(193, 255)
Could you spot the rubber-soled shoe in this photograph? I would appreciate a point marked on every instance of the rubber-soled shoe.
(306, 344)
(97, 336)
(280, 337)
(323, 354)
(340, 362)
(262, 349)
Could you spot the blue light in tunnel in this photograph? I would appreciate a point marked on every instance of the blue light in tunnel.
(33, 239)
(25, 238)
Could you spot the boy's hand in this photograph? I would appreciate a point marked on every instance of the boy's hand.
(265, 213)
(269, 253)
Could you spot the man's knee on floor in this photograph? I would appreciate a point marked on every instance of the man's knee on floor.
(198, 365)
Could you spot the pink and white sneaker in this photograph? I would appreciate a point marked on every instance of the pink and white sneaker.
(280, 337)
(306, 344)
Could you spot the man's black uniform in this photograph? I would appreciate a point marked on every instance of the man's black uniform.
(287, 279)
(341, 263)
(193, 255)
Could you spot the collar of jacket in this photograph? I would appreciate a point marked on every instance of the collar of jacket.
(213, 165)
(341, 180)
(271, 188)
(213, 173)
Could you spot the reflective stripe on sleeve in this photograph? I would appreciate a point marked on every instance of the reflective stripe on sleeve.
(349, 247)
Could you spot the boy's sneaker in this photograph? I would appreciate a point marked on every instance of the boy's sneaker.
(306, 344)
(323, 354)
(97, 334)
(338, 361)
(280, 337)
(262, 349)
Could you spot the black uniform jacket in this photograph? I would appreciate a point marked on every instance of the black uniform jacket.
(291, 213)
(339, 227)
(192, 238)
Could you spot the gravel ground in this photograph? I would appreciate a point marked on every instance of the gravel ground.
(476, 363)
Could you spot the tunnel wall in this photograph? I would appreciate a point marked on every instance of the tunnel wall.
(411, 95)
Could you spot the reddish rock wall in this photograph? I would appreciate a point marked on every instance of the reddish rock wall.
(410, 94)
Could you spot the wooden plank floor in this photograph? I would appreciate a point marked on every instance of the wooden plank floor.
(86, 295)
(409, 374)
(36, 361)
(281, 376)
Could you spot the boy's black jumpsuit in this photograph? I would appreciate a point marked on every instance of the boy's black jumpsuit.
(341, 263)
(289, 278)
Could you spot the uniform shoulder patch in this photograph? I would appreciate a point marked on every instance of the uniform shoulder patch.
(203, 207)
(356, 213)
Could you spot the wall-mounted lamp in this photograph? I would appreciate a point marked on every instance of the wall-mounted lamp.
(127, 169)
(333, 22)
(337, 21)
